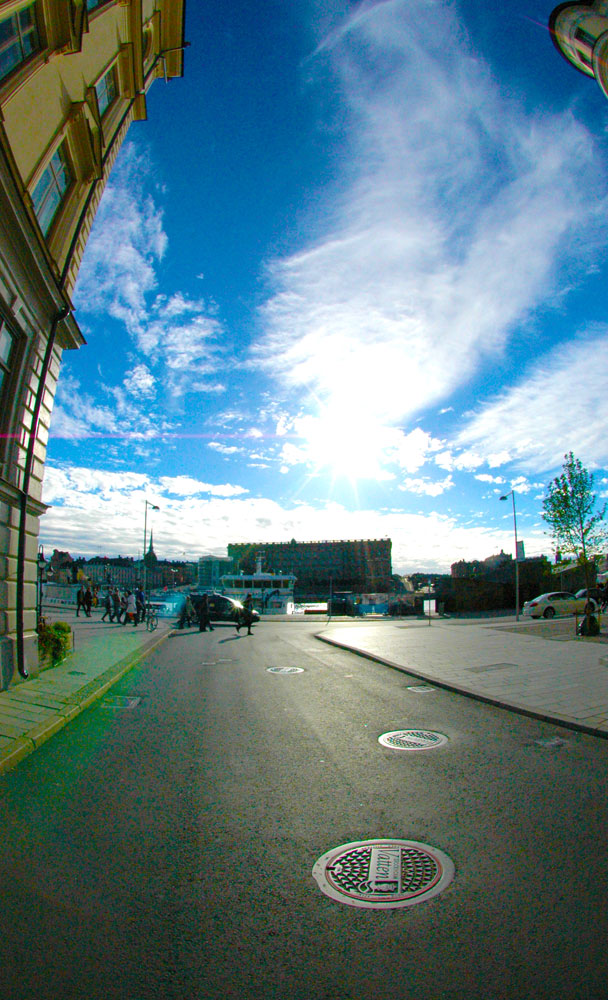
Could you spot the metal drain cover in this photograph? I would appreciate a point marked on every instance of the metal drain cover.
(383, 874)
(412, 739)
(421, 688)
(285, 670)
(121, 701)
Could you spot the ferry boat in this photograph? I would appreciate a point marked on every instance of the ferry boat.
(272, 593)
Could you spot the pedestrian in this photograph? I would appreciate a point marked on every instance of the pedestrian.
(88, 601)
(188, 614)
(131, 609)
(246, 616)
(204, 620)
(140, 602)
(116, 605)
(108, 607)
(79, 601)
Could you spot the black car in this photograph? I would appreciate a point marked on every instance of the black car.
(222, 608)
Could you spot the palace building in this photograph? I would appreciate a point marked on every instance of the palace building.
(74, 74)
(320, 568)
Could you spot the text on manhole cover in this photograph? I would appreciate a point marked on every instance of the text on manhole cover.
(383, 874)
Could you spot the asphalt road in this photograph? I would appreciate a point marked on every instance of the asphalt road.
(165, 848)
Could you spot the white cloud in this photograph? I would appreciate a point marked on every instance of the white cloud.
(96, 512)
(426, 487)
(140, 381)
(445, 235)
(561, 406)
(179, 339)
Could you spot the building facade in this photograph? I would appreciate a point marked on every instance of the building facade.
(580, 34)
(321, 567)
(210, 571)
(73, 76)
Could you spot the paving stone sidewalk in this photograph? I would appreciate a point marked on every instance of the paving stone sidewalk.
(31, 711)
(539, 668)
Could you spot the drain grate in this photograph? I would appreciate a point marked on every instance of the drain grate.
(421, 688)
(383, 874)
(285, 670)
(120, 701)
(413, 739)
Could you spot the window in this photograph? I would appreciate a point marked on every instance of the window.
(94, 4)
(106, 91)
(19, 39)
(7, 352)
(583, 36)
(50, 190)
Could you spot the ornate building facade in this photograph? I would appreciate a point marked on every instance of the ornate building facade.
(363, 565)
(73, 76)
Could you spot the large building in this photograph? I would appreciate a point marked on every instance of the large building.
(580, 34)
(73, 77)
(210, 571)
(362, 566)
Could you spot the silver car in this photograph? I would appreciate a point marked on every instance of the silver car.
(559, 602)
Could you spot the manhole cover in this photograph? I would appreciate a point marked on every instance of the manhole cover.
(121, 701)
(412, 739)
(550, 742)
(285, 670)
(383, 874)
(421, 688)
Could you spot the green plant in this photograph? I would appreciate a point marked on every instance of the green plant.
(54, 640)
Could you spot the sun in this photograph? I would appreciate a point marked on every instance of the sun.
(344, 443)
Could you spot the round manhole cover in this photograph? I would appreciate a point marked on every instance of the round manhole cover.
(412, 739)
(285, 670)
(383, 874)
(421, 688)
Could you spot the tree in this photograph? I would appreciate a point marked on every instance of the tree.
(570, 510)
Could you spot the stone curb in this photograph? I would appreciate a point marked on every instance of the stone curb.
(558, 720)
(73, 706)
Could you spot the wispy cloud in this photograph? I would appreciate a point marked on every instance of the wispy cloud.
(560, 406)
(445, 231)
(178, 339)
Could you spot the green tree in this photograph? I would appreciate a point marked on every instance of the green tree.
(570, 508)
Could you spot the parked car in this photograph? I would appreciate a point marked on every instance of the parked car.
(559, 602)
(222, 608)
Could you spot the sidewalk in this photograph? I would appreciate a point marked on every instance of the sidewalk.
(31, 711)
(538, 668)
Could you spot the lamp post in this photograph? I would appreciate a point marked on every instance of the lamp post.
(506, 497)
(41, 567)
(152, 507)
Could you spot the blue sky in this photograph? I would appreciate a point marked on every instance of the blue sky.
(348, 280)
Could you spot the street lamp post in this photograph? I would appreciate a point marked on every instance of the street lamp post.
(41, 567)
(511, 494)
(153, 507)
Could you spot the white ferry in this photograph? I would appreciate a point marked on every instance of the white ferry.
(272, 593)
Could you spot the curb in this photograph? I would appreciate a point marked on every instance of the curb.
(555, 720)
(74, 705)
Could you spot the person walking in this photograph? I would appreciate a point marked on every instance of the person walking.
(246, 617)
(108, 608)
(131, 609)
(140, 603)
(88, 601)
(80, 601)
(187, 615)
(116, 605)
(204, 620)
